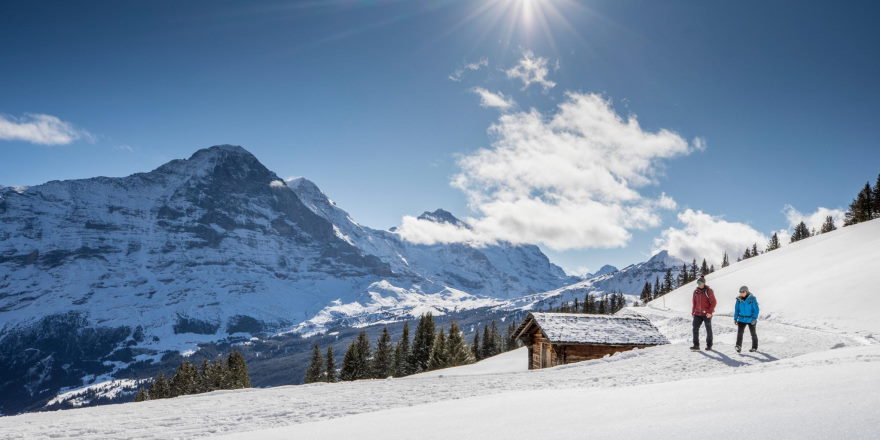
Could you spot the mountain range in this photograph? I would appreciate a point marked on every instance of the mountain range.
(105, 278)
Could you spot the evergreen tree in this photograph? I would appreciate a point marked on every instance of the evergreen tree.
(755, 250)
(875, 197)
(773, 244)
(725, 262)
(704, 268)
(656, 292)
(160, 388)
(402, 353)
(667, 282)
(422, 343)
(439, 356)
(646, 293)
(457, 350)
(683, 275)
(382, 362)
(330, 370)
(214, 376)
(862, 208)
(590, 304)
(712, 268)
(477, 347)
(509, 341)
(356, 363)
(800, 232)
(828, 226)
(316, 366)
(693, 273)
(237, 371)
(142, 395)
(203, 383)
(747, 254)
(349, 363)
(496, 338)
(185, 380)
(603, 309)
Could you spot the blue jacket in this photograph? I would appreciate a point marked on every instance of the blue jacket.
(746, 310)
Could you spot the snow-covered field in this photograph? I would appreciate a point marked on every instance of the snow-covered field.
(815, 376)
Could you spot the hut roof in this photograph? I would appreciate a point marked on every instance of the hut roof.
(582, 328)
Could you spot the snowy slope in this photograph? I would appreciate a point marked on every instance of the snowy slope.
(829, 281)
(508, 362)
(802, 400)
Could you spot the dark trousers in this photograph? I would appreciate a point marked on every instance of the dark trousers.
(698, 320)
(739, 334)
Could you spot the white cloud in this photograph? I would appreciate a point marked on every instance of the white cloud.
(40, 129)
(568, 180)
(814, 220)
(531, 70)
(458, 73)
(707, 236)
(492, 99)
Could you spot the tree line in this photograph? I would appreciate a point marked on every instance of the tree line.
(865, 206)
(602, 305)
(431, 348)
(188, 379)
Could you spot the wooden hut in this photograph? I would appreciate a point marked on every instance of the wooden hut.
(562, 338)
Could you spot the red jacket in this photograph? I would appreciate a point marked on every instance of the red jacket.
(704, 301)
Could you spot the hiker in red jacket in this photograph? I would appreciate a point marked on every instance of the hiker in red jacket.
(704, 307)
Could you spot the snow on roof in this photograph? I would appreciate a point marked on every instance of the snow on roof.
(581, 328)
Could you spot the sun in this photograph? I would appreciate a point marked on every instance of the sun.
(522, 21)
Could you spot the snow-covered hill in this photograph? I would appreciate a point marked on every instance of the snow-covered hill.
(829, 281)
(818, 363)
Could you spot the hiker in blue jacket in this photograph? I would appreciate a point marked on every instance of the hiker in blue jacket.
(745, 313)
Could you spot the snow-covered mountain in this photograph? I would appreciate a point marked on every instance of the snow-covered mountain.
(102, 276)
(819, 358)
(500, 271)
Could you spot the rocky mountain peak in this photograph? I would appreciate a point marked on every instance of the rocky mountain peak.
(441, 216)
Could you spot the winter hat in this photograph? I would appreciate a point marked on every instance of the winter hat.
(701, 279)
(744, 289)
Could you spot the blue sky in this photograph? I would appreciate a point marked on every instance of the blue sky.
(357, 96)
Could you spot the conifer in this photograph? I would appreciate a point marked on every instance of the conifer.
(330, 370)
(316, 367)
(160, 388)
(828, 226)
(237, 371)
(725, 262)
(773, 244)
(402, 353)
(477, 347)
(382, 359)
(422, 343)
(439, 356)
